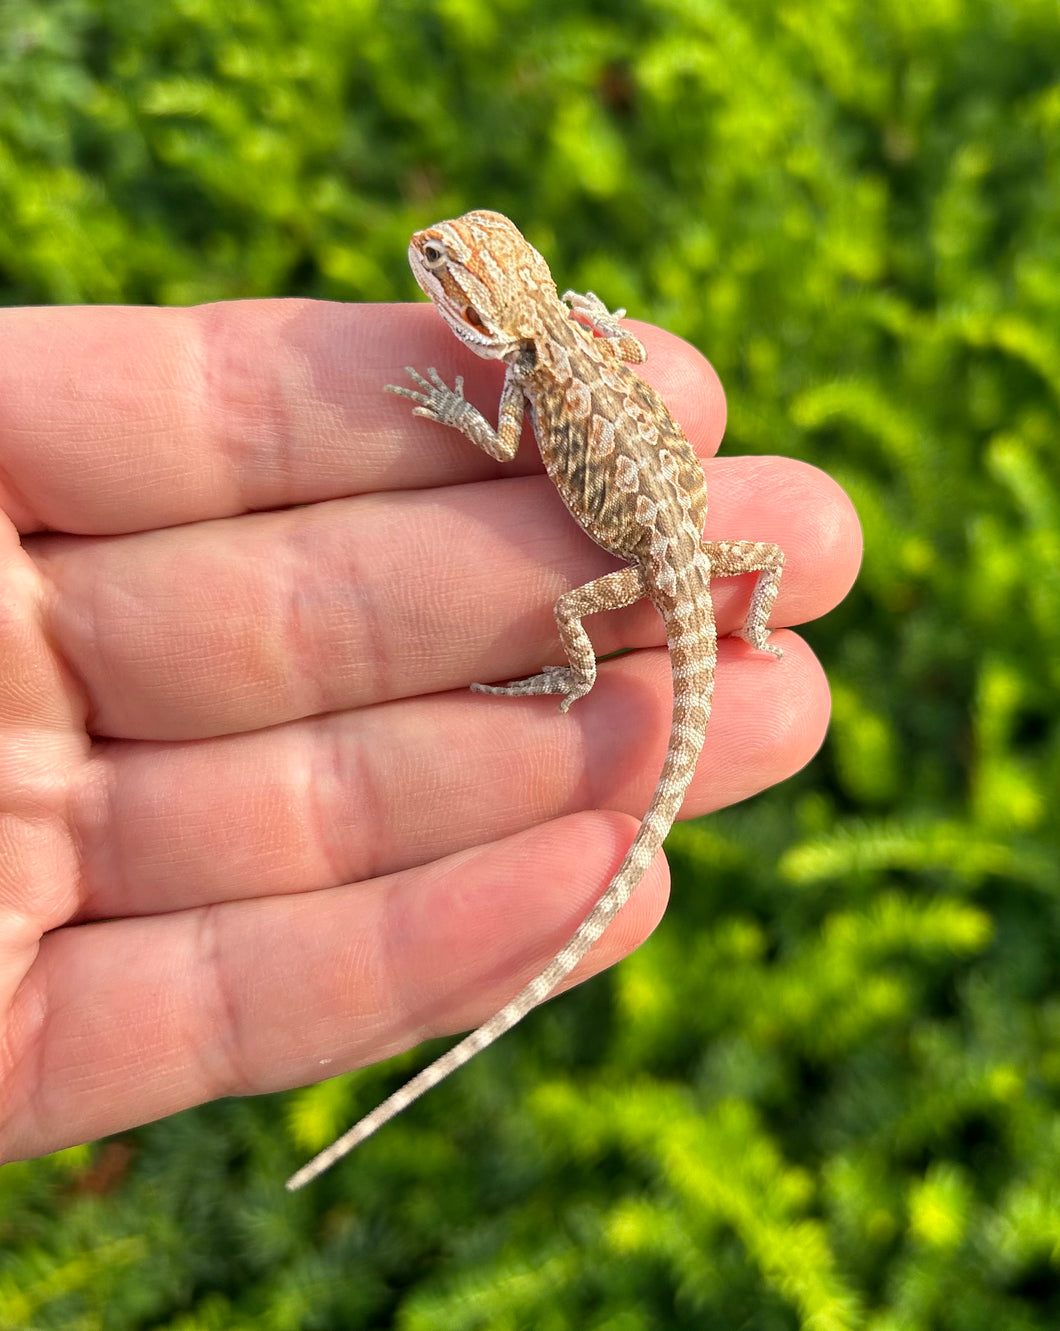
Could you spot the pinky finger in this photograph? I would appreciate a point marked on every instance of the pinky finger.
(138, 1018)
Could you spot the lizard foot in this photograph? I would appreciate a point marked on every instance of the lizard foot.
(759, 641)
(434, 398)
(551, 680)
(591, 312)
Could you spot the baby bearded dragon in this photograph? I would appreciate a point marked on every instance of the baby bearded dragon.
(631, 480)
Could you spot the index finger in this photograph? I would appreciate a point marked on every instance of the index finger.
(117, 418)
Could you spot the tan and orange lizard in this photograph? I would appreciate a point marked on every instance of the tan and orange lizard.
(632, 481)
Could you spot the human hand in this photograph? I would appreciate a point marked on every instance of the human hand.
(253, 823)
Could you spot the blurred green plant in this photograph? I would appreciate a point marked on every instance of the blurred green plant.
(827, 1094)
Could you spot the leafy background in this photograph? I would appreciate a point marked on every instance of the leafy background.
(827, 1094)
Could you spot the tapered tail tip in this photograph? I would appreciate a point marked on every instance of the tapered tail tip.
(296, 1181)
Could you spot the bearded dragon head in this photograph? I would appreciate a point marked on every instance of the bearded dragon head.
(487, 280)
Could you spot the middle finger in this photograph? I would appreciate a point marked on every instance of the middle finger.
(232, 625)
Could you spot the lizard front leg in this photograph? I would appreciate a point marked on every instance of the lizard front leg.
(438, 402)
(611, 592)
(590, 312)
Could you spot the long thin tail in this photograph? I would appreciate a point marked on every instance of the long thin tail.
(693, 654)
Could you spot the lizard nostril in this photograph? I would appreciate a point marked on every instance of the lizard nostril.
(473, 317)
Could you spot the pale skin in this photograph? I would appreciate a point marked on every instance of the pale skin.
(255, 829)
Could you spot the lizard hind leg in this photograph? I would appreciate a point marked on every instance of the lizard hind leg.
(730, 558)
(570, 682)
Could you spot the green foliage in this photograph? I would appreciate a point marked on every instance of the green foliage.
(827, 1094)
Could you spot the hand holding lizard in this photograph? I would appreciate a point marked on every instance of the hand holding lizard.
(256, 827)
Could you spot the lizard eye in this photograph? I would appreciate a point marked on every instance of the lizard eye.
(473, 317)
(433, 255)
